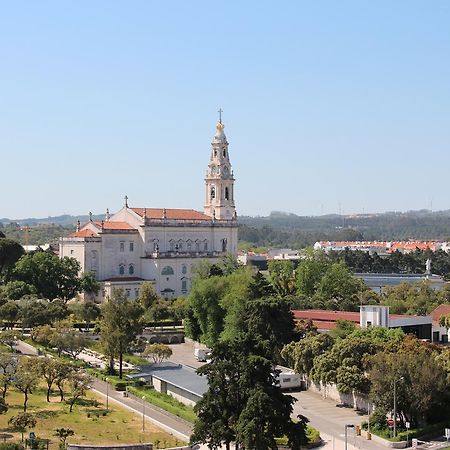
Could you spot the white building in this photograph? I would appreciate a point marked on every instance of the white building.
(157, 244)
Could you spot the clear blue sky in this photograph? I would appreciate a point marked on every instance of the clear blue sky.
(326, 103)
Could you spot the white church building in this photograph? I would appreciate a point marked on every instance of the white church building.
(157, 244)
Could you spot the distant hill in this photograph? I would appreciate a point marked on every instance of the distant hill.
(279, 229)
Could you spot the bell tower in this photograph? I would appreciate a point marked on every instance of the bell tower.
(219, 181)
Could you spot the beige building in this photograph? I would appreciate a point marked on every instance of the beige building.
(157, 244)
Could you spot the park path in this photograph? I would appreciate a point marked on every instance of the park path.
(168, 422)
(162, 419)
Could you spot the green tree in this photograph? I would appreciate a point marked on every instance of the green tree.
(22, 421)
(343, 329)
(281, 275)
(26, 377)
(3, 406)
(87, 312)
(243, 400)
(270, 320)
(64, 373)
(63, 434)
(10, 253)
(9, 312)
(301, 355)
(147, 295)
(51, 276)
(34, 313)
(340, 289)
(158, 352)
(89, 285)
(69, 341)
(8, 364)
(51, 370)
(79, 384)
(9, 338)
(15, 290)
(310, 272)
(120, 325)
(205, 299)
(421, 383)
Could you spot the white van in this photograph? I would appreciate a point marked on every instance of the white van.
(289, 380)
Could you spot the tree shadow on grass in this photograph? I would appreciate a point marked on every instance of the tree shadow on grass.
(86, 402)
(46, 414)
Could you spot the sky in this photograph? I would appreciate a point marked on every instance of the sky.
(328, 106)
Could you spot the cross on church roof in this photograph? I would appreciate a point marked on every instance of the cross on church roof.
(220, 115)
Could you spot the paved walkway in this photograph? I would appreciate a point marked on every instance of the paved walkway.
(330, 420)
(162, 419)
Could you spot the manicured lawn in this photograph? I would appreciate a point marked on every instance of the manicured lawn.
(118, 426)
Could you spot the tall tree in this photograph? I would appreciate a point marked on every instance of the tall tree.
(79, 383)
(281, 274)
(10, 253)
(8, 364)
(120, 325)
(147, 295)
(243, 402)
(89, 285)
(51, 276)
(27, 377)
(22, 421)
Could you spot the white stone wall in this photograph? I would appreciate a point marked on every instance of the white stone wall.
(357, 401)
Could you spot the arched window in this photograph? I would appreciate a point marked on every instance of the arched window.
(205, 246)
(224, 245)
(224, 153)
(183, 269)
(172, 246)
(168, 270)
(189, 246)
(131, 269)
(183, 286)
(122, 269)
(227, 194)
(213, 192)
(197, 246)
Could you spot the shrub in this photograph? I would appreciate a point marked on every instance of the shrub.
(10, 446)
(121, 386)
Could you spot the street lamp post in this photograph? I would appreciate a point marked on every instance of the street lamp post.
(107, 394)
(347, 426)
(143, 413)
(395, 405)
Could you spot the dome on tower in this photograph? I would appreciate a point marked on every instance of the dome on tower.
(220, 135)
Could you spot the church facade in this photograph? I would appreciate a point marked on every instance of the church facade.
(161, 245)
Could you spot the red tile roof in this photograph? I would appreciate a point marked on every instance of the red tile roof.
(325, 315)
(441, 310)
(83, 233)
(108, 225)
(171, 214)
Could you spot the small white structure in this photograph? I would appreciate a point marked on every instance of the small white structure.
(374, 316)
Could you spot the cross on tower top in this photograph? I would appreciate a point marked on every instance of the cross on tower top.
(220, 115)
(126, 201)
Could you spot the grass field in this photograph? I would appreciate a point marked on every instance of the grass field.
(118, 426)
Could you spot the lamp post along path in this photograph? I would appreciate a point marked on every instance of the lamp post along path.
(347, 426)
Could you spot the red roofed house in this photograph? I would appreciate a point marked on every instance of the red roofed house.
(368, 316)
(440, 334)
(157, 244)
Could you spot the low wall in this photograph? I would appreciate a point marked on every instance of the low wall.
(356, 401)
(107, 447)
